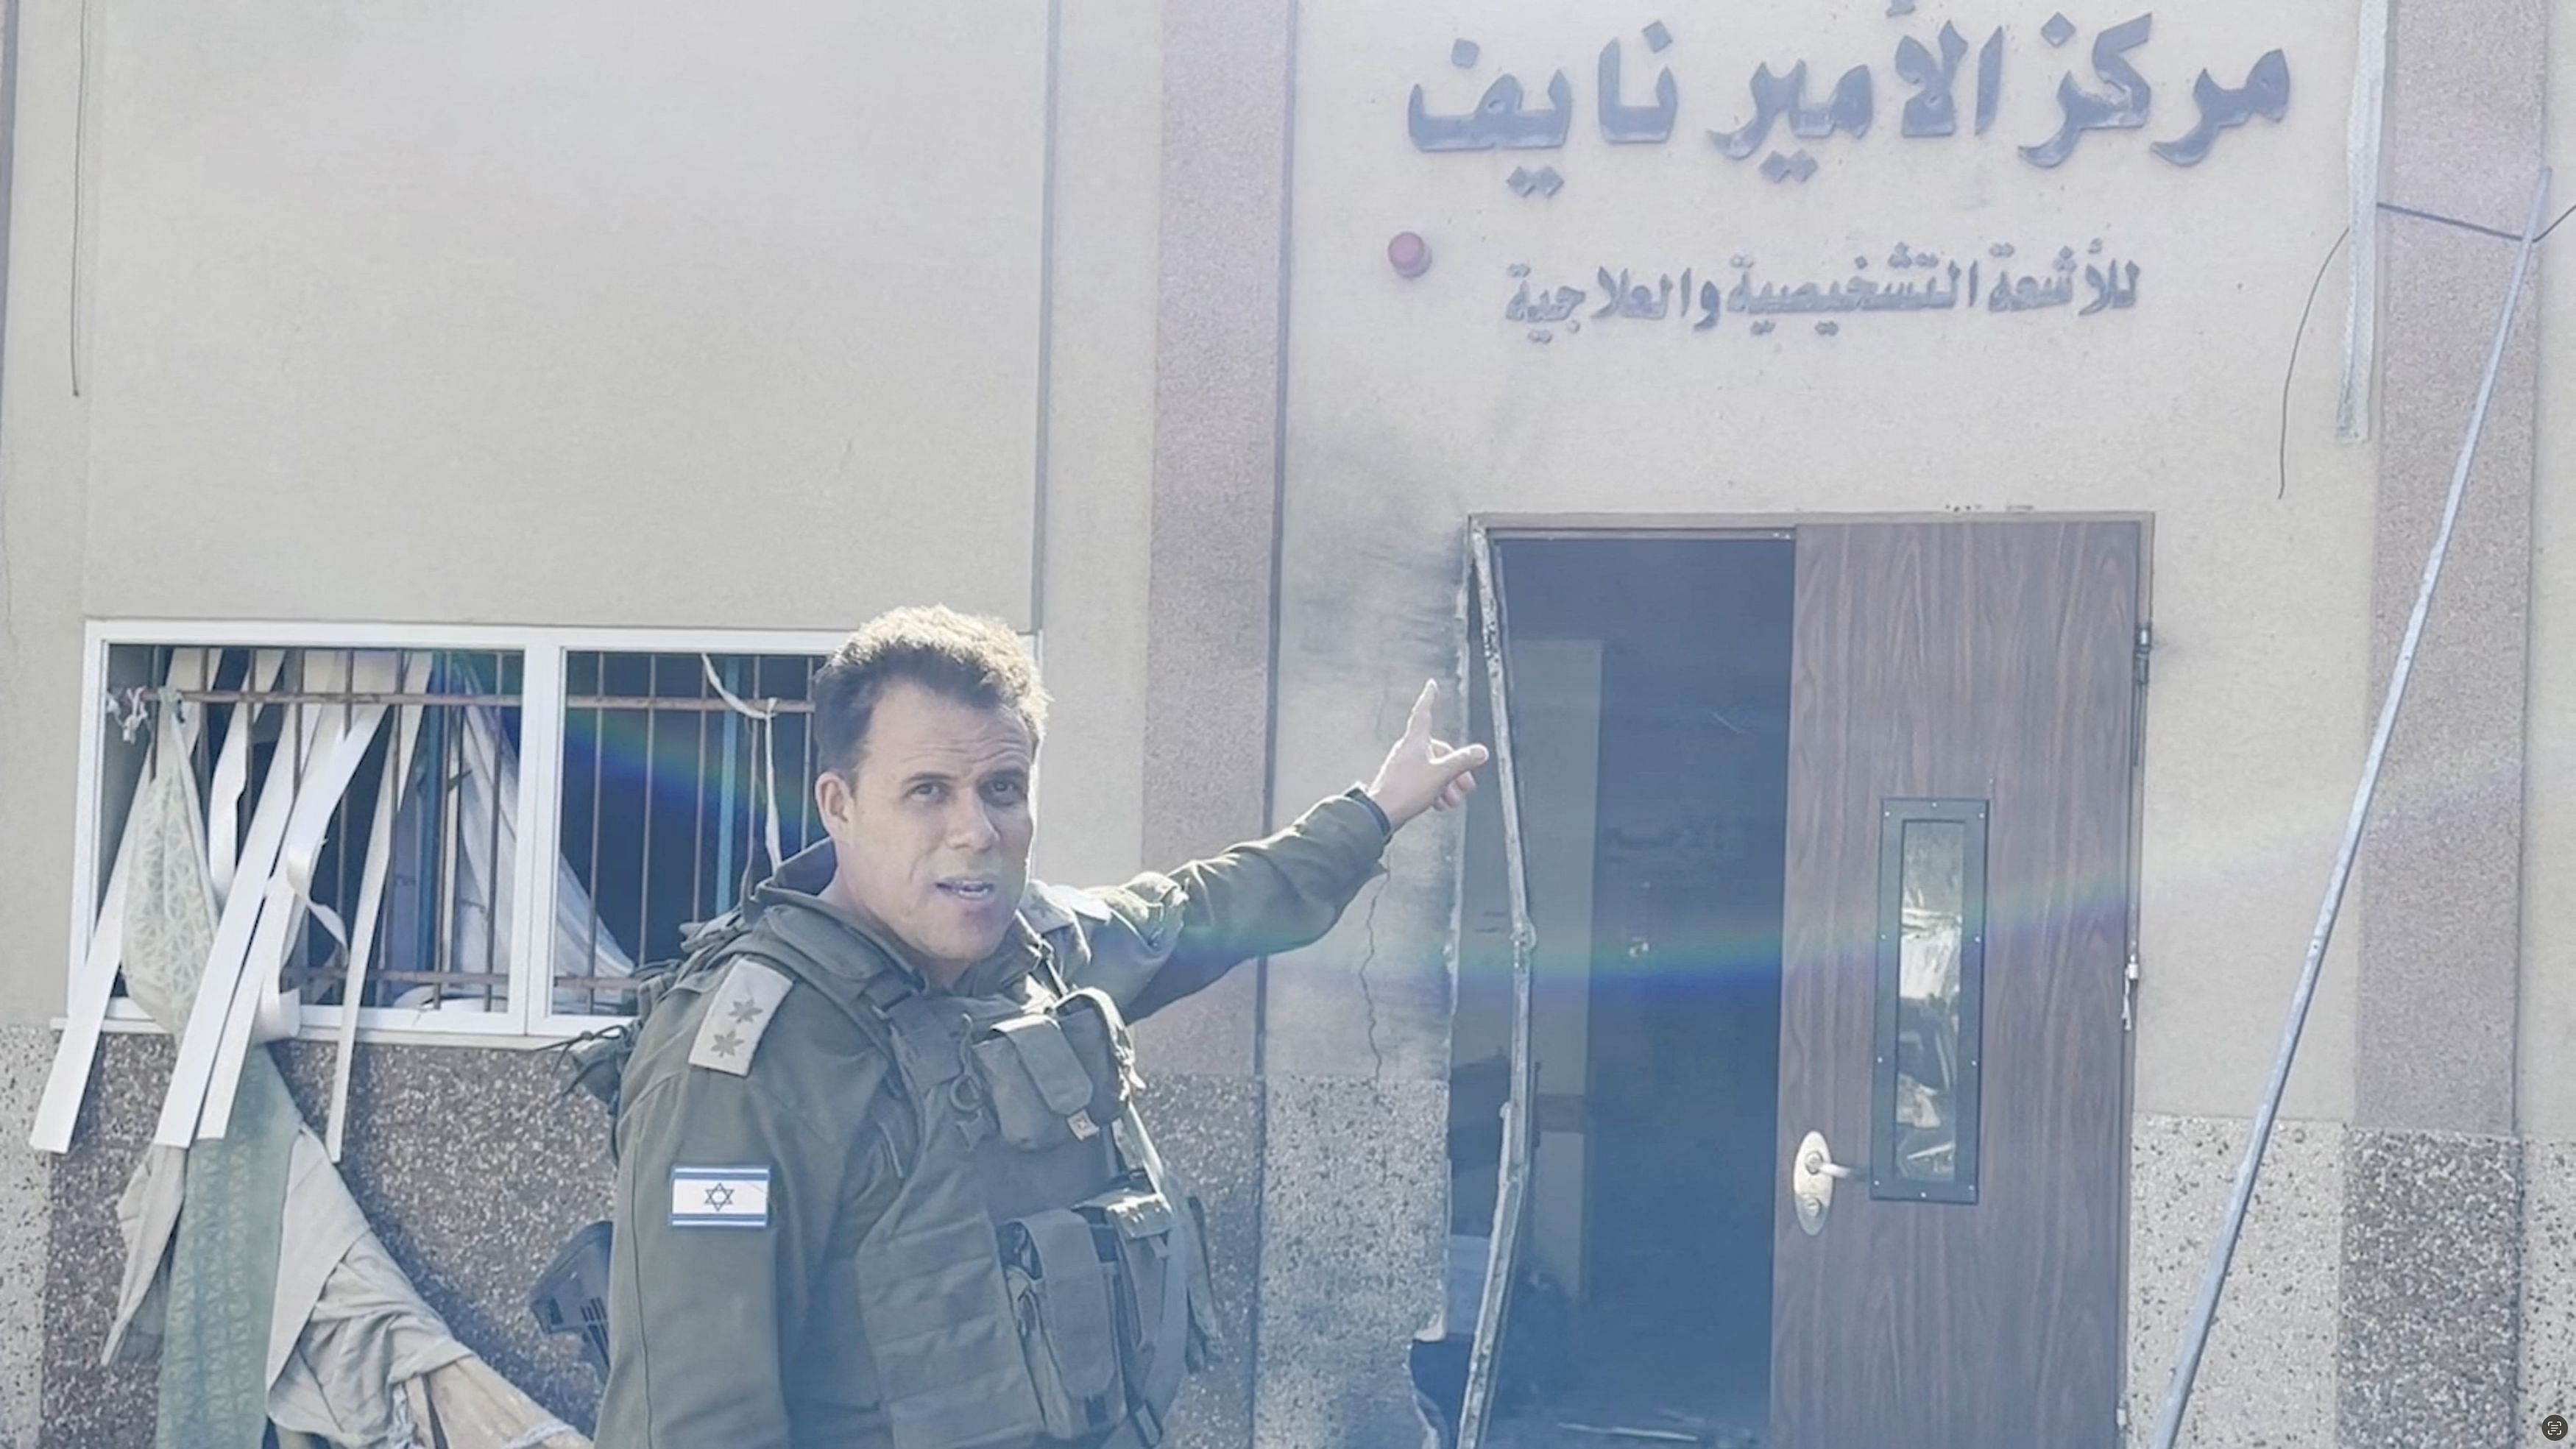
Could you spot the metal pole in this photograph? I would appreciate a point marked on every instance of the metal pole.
(2204, 1310)
(1484, 1352)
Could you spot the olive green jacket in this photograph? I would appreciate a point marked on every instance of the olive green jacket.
(747, 1332)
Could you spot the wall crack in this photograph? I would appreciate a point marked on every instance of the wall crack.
(1368, 997)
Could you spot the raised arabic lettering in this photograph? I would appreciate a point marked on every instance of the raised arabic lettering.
(1934, 111)
(2266, 93)
(1779, 96)
(1990, 79)
(1623, 124)
(1544, 306)
(2110, 290)
(1498, 122)
(1937, 286)
(2123, 108)
(1512, 115)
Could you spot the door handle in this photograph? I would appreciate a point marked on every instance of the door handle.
(1812, 1175)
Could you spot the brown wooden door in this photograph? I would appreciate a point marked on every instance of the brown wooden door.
(1956, 926)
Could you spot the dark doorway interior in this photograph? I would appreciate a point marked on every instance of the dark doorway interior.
(1651, 742)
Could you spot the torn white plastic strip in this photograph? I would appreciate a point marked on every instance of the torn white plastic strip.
(260, 1012)
(230, 995)
(198, 1041)
(1512, 1190)
(232, 772)
(2361, 151)
(371, 893)
(767, 719)
(86, 1012)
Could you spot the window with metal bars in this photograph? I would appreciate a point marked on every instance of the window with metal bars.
(366, 799)
(677, 769)
(499, 824)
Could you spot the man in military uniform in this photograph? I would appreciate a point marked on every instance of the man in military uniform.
(880, 1177)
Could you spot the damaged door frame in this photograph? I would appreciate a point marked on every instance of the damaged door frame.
(1519, 1108)
(1511, 1187)
(1484, 585)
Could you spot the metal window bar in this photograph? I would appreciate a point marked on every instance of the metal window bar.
(679, 704)
(338, 844)
(757, 762)
(492, 898)
(598, 764)
(672, 880)
(745, 768)
(644, 857)
(763, 786)
(315, 963)
(698, 822)
(443, 921)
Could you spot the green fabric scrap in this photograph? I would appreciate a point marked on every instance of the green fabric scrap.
(223, 1272)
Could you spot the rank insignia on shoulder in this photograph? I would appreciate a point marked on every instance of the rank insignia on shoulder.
(720, 1197)
(738, 1011)
(1049, 907)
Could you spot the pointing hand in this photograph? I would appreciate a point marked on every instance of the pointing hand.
(1422, 773)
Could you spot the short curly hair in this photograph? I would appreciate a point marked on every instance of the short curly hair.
(969, 658)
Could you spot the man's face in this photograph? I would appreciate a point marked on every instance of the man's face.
(931, 833)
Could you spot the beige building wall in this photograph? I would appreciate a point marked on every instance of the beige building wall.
(761, 318)
(574, 316)
(2545, 1099)
(502, 313)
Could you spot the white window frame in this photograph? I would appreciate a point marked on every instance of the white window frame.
(528, 1018)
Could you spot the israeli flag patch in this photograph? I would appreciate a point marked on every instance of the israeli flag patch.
(720, 1197)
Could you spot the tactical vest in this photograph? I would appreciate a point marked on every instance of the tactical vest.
(1041, 1277)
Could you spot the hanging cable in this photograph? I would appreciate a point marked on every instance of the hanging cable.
(764, 717)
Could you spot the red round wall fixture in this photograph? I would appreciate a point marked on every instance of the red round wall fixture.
(1409, 254)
